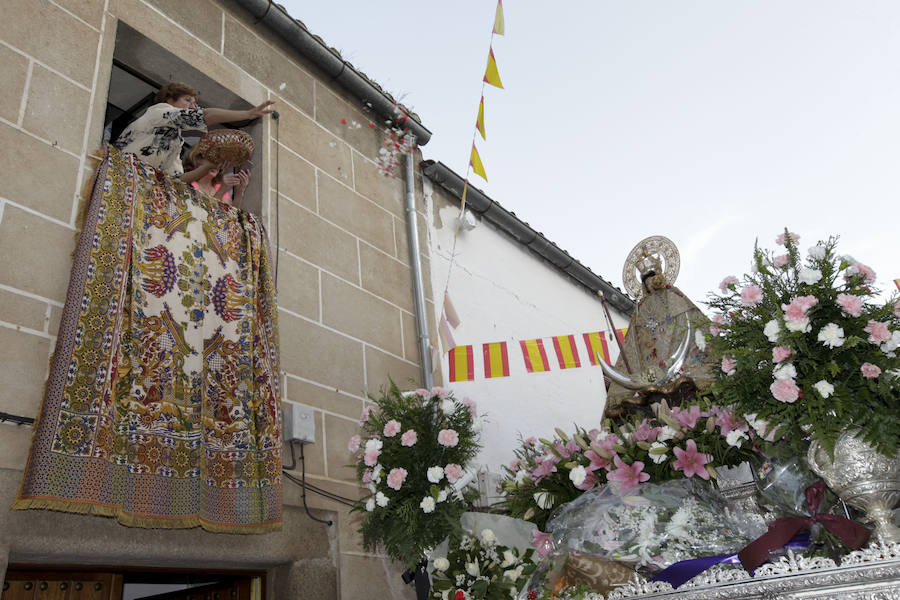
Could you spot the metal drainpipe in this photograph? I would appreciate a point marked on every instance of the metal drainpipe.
(415, 265)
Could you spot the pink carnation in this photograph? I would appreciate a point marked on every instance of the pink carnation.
(878, 332)
(409, 438)
(785, 390)
(728, 365)
(371, 457)
(453, 472)
(717, 320)
(690, 461)
(439, 392)
(448, 438)
(796, 310)
(367, 476)
(781, 238)
(780, 353)
(391, 428)
(870, 371)
(751, 295)
(514, 464)
(365, 414)
(473, 408)
(780, 261)
(860, 269)
(850, 304)
(897, 309)
(730, 280)
(353, 446)
(396, 478)
(424, 393)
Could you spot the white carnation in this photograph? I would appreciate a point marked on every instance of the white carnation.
(488, 537)
(658, 452)
(817, 252)
(666, 433)
(700, 340)
(427, 504)
(798, 325)
(831, 335)
(381, 500)
(442, 495)
(543, 500)
(892, 344)
(370, 504)
(435, 474)
(377, 470)
(735, 436)
(578, 475)
(784, 371)
(772, 330)
(448, 406)
(824, 388)
(374, 444)
(521, 474)
(809, 276)
(441, 564)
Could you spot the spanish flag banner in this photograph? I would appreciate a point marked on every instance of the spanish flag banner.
(475, 162)
(479, 122)
(498, 18)
(462, 364)
(620, 333)
(496, 360)
(566, 352)
(596, 345)
(491, 74)
(897, 283)
(535, 356)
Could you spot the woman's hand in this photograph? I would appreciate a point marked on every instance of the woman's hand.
(263, 109)
(243, 181)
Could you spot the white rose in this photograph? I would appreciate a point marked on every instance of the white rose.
(772, 330)
(578, 475)
(667, 433)
(801, 325)
(374, 444)
(488, 537)
(824, 388)
(509, 559)
(448, 406)
(735, 436)
(784, 371)
(543, 500)
(817, 252)
(831, 335)
(441, 564)
(370, 504)
(381, 499)
(658, 452)
(427, 504)
(809, 276)
(435, 474)
(700, 340)
(472, 569)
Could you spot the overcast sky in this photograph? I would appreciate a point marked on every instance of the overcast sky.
(712, 123)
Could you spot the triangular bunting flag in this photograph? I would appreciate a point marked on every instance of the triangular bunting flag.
(479, 122)
(447, 340)
(450, 311)
(498, 18)
(491, 75)
(475, 162)
(897, 283)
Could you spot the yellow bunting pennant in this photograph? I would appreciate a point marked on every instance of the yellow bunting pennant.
(479, 122)
(491, 75)
(897, 283)
(498, 18)
(475, 162)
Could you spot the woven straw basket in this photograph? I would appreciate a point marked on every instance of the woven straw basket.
(226, 145)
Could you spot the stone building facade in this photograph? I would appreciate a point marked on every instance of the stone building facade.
(346, 312)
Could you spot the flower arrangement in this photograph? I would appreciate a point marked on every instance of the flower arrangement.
(477, 567)
(411, 450)
(803, 346)
(679, 442)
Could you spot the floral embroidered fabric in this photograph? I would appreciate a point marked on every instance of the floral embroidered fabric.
(155, 136)
(162, 406)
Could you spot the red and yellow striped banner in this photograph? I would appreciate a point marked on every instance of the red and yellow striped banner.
(597, 345)
(462, 364)
(897, 283)
(566, 352)
(496, 360)
(535, 356)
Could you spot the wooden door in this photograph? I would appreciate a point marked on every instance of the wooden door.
(61, 585)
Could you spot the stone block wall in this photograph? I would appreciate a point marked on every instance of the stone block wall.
(345, 290)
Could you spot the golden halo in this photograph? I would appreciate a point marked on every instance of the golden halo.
(657, 245)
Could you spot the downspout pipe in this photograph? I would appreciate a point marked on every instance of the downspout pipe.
(479, 203)
(415, 265)
(278, 20)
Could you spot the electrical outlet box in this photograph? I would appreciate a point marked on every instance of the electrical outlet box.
(299, 423)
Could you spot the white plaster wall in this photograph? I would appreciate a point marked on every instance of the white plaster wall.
(504, 292)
